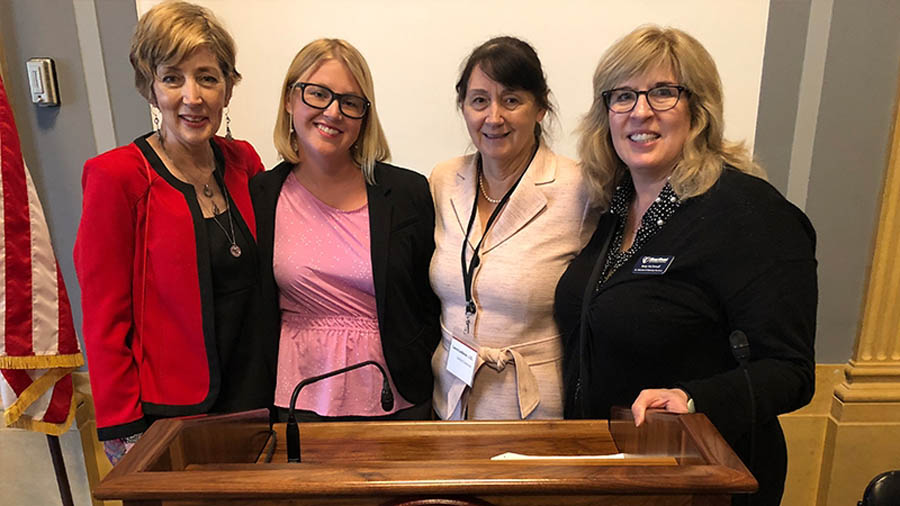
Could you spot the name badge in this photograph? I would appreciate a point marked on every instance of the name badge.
(461, 361)
(653, 265)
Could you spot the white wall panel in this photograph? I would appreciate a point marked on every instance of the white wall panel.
(415, 48)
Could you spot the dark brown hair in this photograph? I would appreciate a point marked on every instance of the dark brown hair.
(513, 63)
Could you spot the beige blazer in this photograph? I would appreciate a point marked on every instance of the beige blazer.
(546, 222)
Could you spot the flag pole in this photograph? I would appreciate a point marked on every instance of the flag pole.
(59, 467)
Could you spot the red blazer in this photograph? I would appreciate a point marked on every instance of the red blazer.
(142, 261)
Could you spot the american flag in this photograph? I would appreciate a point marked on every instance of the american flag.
(38, 346)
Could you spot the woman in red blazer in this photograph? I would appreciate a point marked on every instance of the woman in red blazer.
(165, 253)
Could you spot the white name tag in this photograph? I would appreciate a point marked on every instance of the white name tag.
(461, 361)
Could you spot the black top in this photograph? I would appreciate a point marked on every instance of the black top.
(244, 383)
(401, 227)
(654, 219)
(241, 375)
(742, 258)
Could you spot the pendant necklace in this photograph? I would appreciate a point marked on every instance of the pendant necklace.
(207, 192)
(234, 249)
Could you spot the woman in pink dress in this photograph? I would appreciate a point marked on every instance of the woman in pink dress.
(345, 242)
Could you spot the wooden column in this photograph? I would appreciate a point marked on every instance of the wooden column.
(873, 373)
(862, 436)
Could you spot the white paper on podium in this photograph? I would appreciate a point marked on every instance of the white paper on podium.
(519, 456)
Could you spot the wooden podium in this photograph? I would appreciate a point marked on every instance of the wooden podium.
(237, 459)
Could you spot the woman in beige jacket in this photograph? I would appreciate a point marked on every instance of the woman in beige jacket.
(523, 213)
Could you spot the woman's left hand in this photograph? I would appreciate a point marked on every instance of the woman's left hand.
(673, 400)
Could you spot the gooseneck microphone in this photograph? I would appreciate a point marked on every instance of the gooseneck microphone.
(740, 348)
(293, 432)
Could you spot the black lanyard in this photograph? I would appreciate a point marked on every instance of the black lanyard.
(468, 271)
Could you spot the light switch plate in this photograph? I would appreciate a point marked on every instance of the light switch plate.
(42, 81)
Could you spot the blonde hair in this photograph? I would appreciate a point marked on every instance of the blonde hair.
(371, 146)
(170, 31)
(705, 150)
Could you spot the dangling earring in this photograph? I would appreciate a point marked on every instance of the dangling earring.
(157, 120)
(228, 126)
(154, 113)
(292, 133)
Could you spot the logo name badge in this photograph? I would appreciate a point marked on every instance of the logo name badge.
(652, 265)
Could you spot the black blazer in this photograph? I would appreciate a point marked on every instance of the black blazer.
(742, 258)
(401, 226)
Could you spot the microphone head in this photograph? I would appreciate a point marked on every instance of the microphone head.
(740, 346)
(387, 397)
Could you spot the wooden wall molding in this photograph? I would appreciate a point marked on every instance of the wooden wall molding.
(868, 382)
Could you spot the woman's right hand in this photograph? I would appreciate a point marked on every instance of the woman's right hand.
(673, 400)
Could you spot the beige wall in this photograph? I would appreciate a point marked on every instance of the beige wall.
(847, 156)
(415, 47)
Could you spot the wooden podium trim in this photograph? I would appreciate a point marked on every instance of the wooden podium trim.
(215, 459)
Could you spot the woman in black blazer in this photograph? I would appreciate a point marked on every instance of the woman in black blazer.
(693, 250)
(345, 241)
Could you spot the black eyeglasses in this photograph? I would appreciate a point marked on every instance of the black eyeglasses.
(320, 97)
(660, 98)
